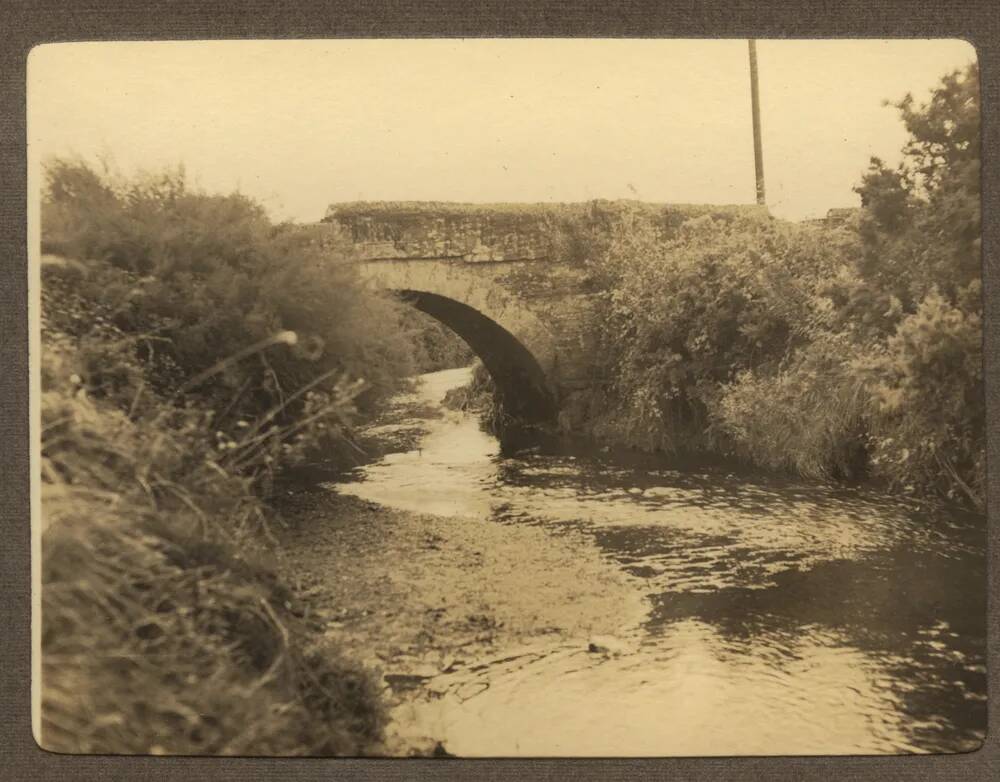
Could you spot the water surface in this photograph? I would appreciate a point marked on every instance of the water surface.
(781, 617)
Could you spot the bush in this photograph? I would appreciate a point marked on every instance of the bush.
(685, 317)
(808, 417)
(928, 411)
(200, 286)
(921, 232)
(834, 351)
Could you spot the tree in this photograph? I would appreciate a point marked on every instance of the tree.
(921, 261)
(921, 220)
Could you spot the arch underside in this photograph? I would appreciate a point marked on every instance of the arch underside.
(519, 379)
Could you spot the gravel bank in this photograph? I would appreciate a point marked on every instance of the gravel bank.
(417, 596)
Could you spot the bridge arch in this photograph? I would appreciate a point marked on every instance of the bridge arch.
(519, 378)
(514, 346)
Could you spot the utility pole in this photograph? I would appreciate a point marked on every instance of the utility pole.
(758, 152)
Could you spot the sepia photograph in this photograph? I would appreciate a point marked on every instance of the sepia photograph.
(507, 397)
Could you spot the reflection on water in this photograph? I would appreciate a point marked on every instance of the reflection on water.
(784, 618)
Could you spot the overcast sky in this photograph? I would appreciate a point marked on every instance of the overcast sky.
(302, 124)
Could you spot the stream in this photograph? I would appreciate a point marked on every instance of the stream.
(774, 616)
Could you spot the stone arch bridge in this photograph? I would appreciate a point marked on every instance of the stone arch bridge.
(509, 279)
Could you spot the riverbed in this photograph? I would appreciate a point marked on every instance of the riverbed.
(563, 601)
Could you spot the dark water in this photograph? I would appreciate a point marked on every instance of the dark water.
(779, 617)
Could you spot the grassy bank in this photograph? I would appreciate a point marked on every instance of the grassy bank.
(192, 352)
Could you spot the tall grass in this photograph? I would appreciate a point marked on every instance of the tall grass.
(164, 630)
(191, 353)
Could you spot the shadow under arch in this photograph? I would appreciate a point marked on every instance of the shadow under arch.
(520, 381)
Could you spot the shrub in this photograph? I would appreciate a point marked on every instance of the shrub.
(928, 412)
(686, 316)
(808, 417)
(835, 351)
(921, 232)
(189, 280)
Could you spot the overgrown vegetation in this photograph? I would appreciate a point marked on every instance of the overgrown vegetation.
(478, 396)
(841, 351)
(192, 351)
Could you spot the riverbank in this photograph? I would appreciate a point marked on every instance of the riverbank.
(417, 597)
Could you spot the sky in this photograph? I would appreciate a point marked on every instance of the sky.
(299, 125)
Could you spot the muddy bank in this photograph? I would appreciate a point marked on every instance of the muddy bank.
(424, 599)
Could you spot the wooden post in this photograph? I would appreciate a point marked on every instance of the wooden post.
(758, 152)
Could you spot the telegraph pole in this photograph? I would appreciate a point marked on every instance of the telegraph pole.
(758, 152)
